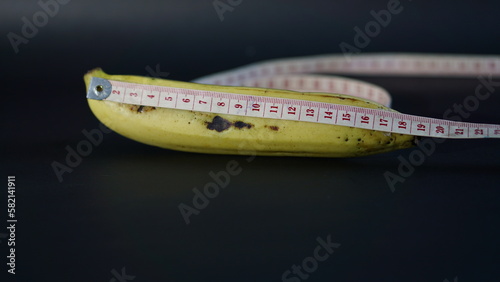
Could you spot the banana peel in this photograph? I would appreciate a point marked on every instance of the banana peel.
(214, 133)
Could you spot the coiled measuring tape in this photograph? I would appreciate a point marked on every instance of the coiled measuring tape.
(289, 74)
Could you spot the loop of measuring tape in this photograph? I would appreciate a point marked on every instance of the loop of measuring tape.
(289, 74)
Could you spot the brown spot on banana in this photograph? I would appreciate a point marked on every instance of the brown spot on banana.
(272, 127)
(220, 124)
(240, 125)
(141, 109)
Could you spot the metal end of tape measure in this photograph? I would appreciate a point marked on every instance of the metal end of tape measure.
(99, 89)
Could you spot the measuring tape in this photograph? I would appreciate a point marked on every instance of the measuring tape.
(288, 74)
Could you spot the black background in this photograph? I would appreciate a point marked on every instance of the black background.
(119, 207)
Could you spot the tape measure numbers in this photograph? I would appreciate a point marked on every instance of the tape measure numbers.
(283, 74)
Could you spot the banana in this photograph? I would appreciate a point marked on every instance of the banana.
(214, 133)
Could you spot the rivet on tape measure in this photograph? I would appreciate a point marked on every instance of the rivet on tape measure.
(288, 74)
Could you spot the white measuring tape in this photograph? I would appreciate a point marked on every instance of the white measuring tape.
(288, 74)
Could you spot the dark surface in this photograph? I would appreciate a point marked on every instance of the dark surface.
(119, 208)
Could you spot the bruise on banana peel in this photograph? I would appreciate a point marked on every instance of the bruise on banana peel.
(140, 108)
(220, 124)
(227, 134)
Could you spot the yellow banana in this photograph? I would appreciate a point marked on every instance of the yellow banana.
(228, 134)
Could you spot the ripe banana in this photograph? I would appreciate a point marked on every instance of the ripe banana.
(214, 133)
